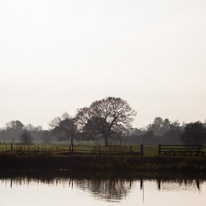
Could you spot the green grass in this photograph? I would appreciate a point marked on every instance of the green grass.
(96, 157)
(107, 162)
(64, 148)
(80, 148)
(149, 150)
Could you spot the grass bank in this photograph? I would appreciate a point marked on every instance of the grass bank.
(102, 162)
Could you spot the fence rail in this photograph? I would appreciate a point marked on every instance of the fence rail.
(140, 150)
(182, 150)
(88, 149)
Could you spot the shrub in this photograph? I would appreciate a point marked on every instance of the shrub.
(25, 137)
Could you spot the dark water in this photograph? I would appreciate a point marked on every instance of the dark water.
(43, 190)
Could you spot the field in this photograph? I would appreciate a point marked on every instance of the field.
(81, 148)
(97, 158)
(147, 150)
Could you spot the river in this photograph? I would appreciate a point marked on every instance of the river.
(67, 191)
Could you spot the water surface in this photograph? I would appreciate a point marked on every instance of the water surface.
(24, 191)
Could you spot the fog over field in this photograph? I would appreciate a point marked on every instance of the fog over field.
(57, 56)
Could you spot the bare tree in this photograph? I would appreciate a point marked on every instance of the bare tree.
(65, 127)
(194, 133)
(13, 129)
(25, 137)
(14, 125)
(108, 117)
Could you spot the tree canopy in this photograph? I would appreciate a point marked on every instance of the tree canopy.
(25, 137)
(194, 133)
(65, 127)
(108, 117)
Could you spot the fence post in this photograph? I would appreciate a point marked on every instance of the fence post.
(159, 184)
(159, 149)
(141, 183)
(141, 150)
(130, 149)
(11, 147)
(72, 148)
(198, 150)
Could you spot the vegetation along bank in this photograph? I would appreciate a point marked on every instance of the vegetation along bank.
(102, 162)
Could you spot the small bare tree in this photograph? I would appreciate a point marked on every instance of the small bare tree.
(194, 133)
(108, 117)
(25, 137)
(64, 127)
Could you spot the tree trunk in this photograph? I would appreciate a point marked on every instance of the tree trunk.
(72, 144)
(106, 140)
(71, 141)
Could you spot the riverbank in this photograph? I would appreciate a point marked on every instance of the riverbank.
(101, 162)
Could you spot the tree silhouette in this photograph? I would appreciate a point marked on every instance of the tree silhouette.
(65, 127)
(109, 117)
(25, 137)
(194, 133)
(14, 125)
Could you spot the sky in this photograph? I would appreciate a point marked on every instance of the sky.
(60, 55)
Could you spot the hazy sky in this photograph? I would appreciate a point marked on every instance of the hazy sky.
(59, 55)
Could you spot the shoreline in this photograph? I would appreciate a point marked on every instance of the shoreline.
(48, 175)
(105, 163)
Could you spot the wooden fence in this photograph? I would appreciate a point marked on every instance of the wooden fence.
(78, 149)
(139, 150)
(181, 150)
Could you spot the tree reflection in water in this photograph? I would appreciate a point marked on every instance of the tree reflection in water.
(109, 189)
(105, 188)
(179, 185)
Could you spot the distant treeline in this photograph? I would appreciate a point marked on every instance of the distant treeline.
(107, 121)
(161, 131)
(13, 129)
